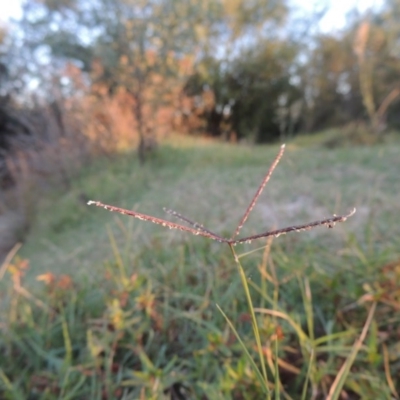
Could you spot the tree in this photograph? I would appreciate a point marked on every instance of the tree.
(10, 123)
(376, 46)
(246, 69)
(329, 82)
(130, 47)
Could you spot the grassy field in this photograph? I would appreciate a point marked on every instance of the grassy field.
(126, 309)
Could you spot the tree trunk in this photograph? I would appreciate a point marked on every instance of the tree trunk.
(138, 112)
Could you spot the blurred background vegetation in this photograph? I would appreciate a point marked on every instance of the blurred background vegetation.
(108, 74)
(119, 99)
(80, 78)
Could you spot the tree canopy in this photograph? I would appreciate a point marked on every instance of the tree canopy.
(229, 68)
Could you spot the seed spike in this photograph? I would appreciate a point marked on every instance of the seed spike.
(329, 222)
(198, 229)
(259, 191)
(195, 225)
(154, 220)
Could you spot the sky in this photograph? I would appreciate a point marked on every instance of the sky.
(334, 19)
(9, 9)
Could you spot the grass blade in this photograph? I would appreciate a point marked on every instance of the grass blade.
(9, 387)
(387, 372)
(253, 315)
(260, 377)
(338, 383)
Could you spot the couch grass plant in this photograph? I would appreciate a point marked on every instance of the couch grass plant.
(102, 306)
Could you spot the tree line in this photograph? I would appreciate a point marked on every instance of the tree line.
(227, 68)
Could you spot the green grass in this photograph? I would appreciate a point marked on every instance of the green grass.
(213, 183)
(140, 317)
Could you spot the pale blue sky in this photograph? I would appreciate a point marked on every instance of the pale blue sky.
(334, 19)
